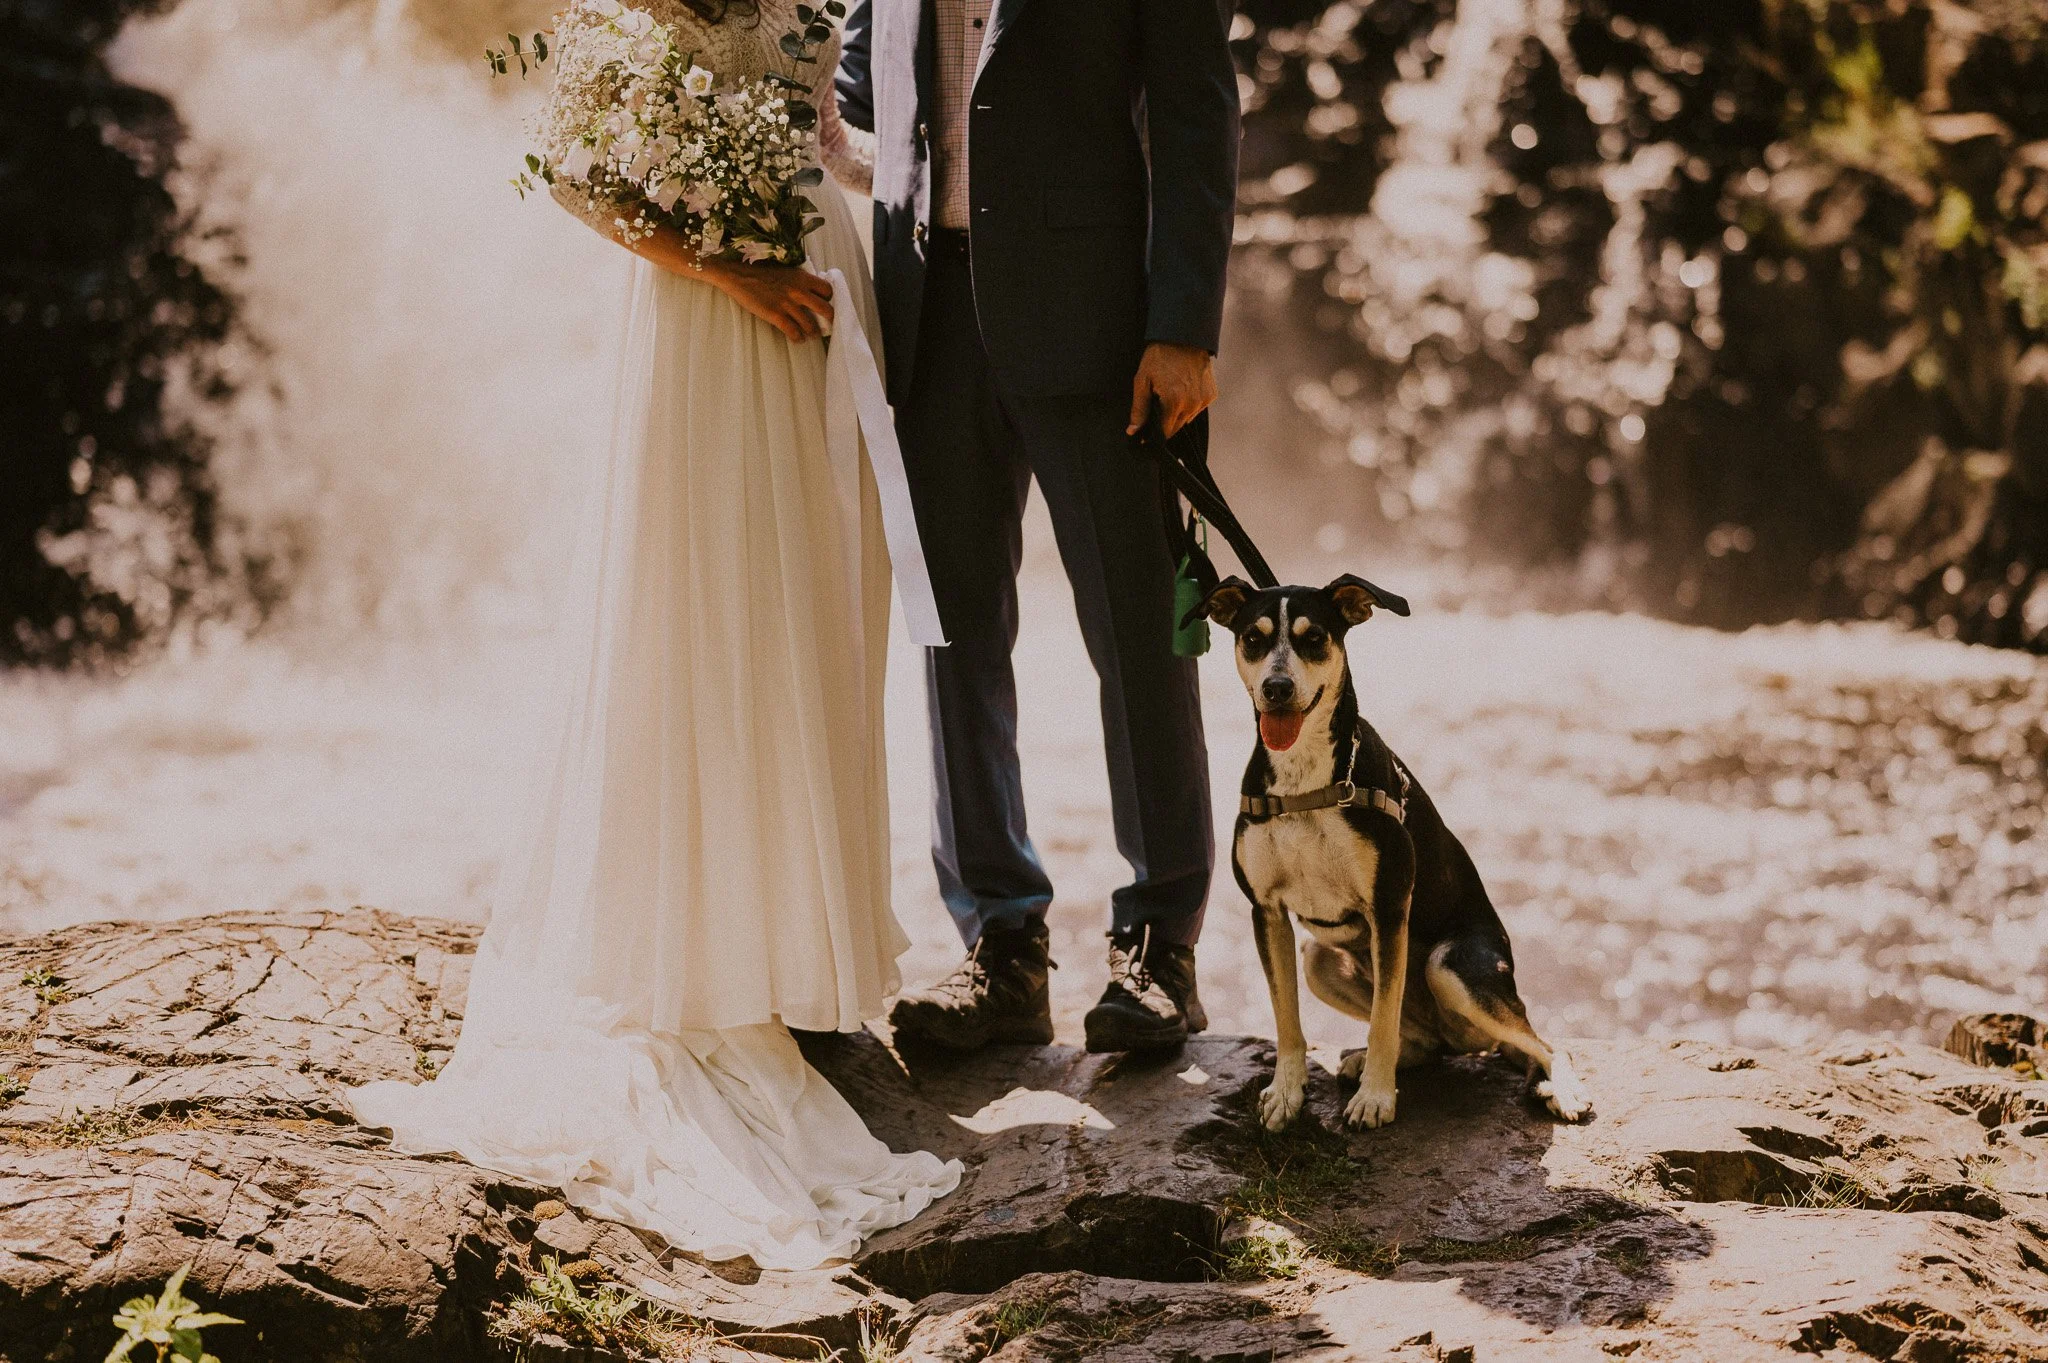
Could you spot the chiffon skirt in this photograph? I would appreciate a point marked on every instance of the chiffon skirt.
(706, 859)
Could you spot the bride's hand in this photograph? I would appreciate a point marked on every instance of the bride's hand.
(793, 301)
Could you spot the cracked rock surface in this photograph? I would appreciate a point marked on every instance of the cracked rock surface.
(170, 1092)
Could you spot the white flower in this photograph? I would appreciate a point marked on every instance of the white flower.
(754, 252)
(576, 165)
(713, 239)
(608, 9)
(697, 83)
(633, 22)
(665, 197)
(701, 198)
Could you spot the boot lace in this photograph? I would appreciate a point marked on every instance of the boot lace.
(1130, 965)
(969, 979)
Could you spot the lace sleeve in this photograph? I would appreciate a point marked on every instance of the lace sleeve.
(847, 151)
(600, 213)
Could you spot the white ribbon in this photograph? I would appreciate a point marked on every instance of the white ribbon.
(856, 405)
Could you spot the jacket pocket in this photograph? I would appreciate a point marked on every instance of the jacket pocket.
(1113, 205)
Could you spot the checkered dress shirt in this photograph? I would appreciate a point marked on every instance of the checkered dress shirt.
(962, 26)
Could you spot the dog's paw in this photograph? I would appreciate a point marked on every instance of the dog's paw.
(1371, 1106)
(1563, 1092)
(1280, 1100)
(1353, 1065)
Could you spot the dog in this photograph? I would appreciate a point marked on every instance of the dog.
(1334, 831)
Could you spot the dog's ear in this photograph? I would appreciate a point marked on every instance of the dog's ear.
(1355, 598)
(1226, 600)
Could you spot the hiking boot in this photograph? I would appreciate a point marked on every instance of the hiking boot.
(998, 995)
(1151, 1002)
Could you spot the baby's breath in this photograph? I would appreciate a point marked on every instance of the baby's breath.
(639, 127)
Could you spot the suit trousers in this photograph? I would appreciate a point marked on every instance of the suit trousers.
(971, 450)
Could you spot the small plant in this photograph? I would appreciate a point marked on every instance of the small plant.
(1834, 1190)
(49, 988)
(1288, 1172)
(1507, 1249)
(1017, 1318)
(100, 1126)
(1262, 1256)
(876, 1344)
(169, 1321)
(426, 1062)
(1630, 1254)
(1984, 1170)
(1342, 1247)
(12, 1086)
(604, 1317)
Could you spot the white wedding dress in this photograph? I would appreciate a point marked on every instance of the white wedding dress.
(707, 861)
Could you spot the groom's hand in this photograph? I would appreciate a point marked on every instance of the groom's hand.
(1182, 377)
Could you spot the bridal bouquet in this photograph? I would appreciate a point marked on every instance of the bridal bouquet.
(638, 124)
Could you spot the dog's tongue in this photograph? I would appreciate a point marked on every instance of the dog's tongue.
(1279, 728)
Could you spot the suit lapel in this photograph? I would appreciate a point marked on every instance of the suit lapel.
(1001, 15)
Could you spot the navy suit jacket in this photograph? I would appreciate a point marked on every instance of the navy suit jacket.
(1102, 154)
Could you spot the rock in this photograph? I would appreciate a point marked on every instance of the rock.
(179, 1099)
(2000, 1040)
(1076, 1161)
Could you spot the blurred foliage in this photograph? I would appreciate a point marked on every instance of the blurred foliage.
(107, 528)
(1739, 309)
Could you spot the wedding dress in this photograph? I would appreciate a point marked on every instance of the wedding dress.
(706, 863)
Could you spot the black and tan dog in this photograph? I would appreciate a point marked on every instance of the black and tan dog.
(1335, 832)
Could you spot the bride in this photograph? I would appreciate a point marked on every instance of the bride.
(706, 863)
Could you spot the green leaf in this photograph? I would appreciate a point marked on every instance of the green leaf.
(792, 45)
(533, 163)
(513, 38)
(540, 48)
(802, 116)
(835, 9)
(1955, 219)
(804, 14)
(810, 175)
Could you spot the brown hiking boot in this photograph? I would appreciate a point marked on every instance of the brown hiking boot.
(1151, 1002)
(998, 995)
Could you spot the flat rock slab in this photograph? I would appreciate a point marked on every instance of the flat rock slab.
(173, 1094)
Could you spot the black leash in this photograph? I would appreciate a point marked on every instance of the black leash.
(1183, 461)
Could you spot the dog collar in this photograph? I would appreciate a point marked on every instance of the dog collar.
(1343, 795)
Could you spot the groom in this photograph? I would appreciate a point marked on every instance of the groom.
(1054, 188)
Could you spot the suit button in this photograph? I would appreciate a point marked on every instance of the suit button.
(924, 132)
(917, 233)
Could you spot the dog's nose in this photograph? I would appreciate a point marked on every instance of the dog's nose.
(1277, 690)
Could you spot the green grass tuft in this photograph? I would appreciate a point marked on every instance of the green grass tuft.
(605, 1316)
(1262, 1256)
(1017, 1318)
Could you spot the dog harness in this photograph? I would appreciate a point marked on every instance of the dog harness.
(1342, 795)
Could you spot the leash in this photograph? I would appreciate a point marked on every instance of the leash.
(1183, 461)
(1340, 794)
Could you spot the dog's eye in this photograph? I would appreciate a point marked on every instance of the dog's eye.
(1313, 635)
